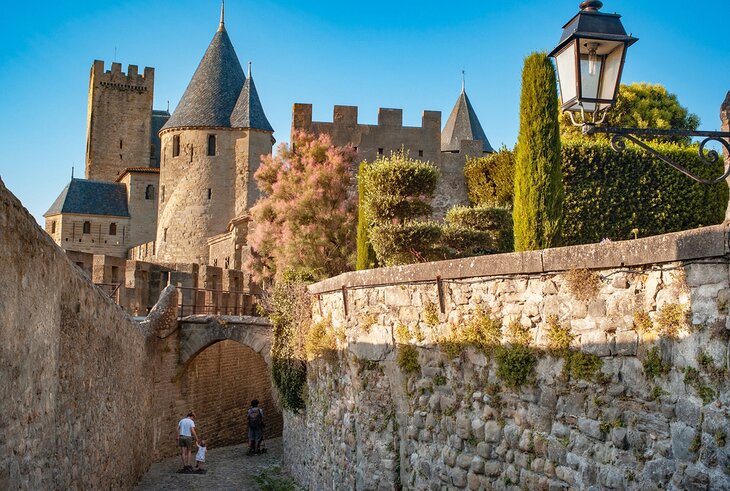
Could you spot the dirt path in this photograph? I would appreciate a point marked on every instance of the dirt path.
(229, 468)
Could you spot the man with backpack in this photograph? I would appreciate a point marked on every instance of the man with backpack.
(255, 416)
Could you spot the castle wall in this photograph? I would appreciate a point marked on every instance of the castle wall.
(187, 216)
(451, 188)
(75, 388)
(119, 120)
(70, 237)
(642, 405)
(389, 135)
(250, 146)
(143, 210)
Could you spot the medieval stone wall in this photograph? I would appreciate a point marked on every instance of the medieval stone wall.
(142, 192)
(119, 120)
(74, 369)
(643, 405)
(68, 233)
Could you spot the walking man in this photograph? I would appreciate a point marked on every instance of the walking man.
(255, 417)
(185, 434)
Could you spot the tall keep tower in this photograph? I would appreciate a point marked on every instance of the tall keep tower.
(119, 120)
(211, 147)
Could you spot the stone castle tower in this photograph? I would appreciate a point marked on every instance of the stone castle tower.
(211, 147)
(119, 123)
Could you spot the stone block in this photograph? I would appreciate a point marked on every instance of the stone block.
(595, 342)
(698, 274)
(492, 431)
(626, 343)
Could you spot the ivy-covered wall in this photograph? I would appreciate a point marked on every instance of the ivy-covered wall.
(611, 375)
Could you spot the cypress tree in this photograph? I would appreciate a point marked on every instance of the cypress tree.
(538, 200)
(366, 258)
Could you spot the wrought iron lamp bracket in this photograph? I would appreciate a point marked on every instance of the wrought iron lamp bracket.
(707, 157)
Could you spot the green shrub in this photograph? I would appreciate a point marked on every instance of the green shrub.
(671, 319)
(607, 194)
(478, 230)
(583, 284)
(490, 179)
(583, 366)
(274, 479)
(482, 332)
(405, 243)
(430, 314)
(321, 341)
(538, 200)
(407, 359)
(515, 365)
(366, 258)
(559, 336)
(653, 365)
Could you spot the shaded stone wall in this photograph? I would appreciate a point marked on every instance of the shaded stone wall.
(654, 415)
(74, 369)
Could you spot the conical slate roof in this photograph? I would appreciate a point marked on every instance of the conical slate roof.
(215, 87)
(249, 113)
(463, 124)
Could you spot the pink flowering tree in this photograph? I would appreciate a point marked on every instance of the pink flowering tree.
(305, 221)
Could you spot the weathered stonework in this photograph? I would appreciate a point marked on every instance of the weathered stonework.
(454, 424)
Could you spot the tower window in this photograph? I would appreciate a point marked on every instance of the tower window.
(120, 144)
(53, 226)
(87, 228)
(162, 193)
(420, 153)
(164, 235)
(210, 193)
(112, 229)
(149, 193)
(211, 145)
(380, 151)
(176, 145)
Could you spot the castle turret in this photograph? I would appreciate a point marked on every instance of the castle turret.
(209, 152)
(463, 124)
(118, 130)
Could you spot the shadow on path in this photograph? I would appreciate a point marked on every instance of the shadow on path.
(229, 468)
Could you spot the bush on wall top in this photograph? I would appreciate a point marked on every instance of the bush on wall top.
(608, 194)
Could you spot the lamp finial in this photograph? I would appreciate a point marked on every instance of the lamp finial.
(591, 5)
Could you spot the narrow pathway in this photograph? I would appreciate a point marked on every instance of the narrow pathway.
(229, 468)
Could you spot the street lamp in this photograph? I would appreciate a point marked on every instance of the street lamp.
(590, 58)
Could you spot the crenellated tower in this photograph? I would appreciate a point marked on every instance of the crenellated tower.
(211, 147)
(119, 122)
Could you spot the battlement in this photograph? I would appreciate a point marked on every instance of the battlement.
(347, 116)
(117, 79)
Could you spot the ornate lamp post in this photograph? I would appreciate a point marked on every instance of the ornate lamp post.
(590, 58)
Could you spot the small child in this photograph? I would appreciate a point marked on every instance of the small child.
(200, 458)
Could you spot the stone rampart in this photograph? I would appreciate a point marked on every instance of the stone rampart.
(74, 370)
(418, 400)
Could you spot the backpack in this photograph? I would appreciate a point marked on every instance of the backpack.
(255, 418)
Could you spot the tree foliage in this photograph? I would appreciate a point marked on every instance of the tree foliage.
(366, 258)
(643, 105)
(305, 220)
(538, 200)
(473, 231)
(397, 197)
(490, 180)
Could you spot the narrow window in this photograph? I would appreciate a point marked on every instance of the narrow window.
(380, 151)
(87, 228)
(210, 193)
(149, 193)
(211, 145)
(53, 226)
(176, 145)
(112, 229)
(420, 153)
(120, 144)
(162, 193)
(164, 235)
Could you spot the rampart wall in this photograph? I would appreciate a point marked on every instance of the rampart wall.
(640, 401)
(74, 369)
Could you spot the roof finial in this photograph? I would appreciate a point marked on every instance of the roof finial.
(223, 13)
(249, 69)
(463, 79)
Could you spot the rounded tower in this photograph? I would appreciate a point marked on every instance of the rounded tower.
(207, 158)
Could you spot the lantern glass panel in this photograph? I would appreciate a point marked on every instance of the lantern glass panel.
(612, 72)
(565, 61)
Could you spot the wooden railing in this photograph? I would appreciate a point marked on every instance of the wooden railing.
(208, 301)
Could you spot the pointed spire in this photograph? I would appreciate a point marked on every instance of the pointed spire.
(248, 112)
(463, 80)
(463, 124)
(222, 25)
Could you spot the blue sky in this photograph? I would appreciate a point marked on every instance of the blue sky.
(377, 54)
